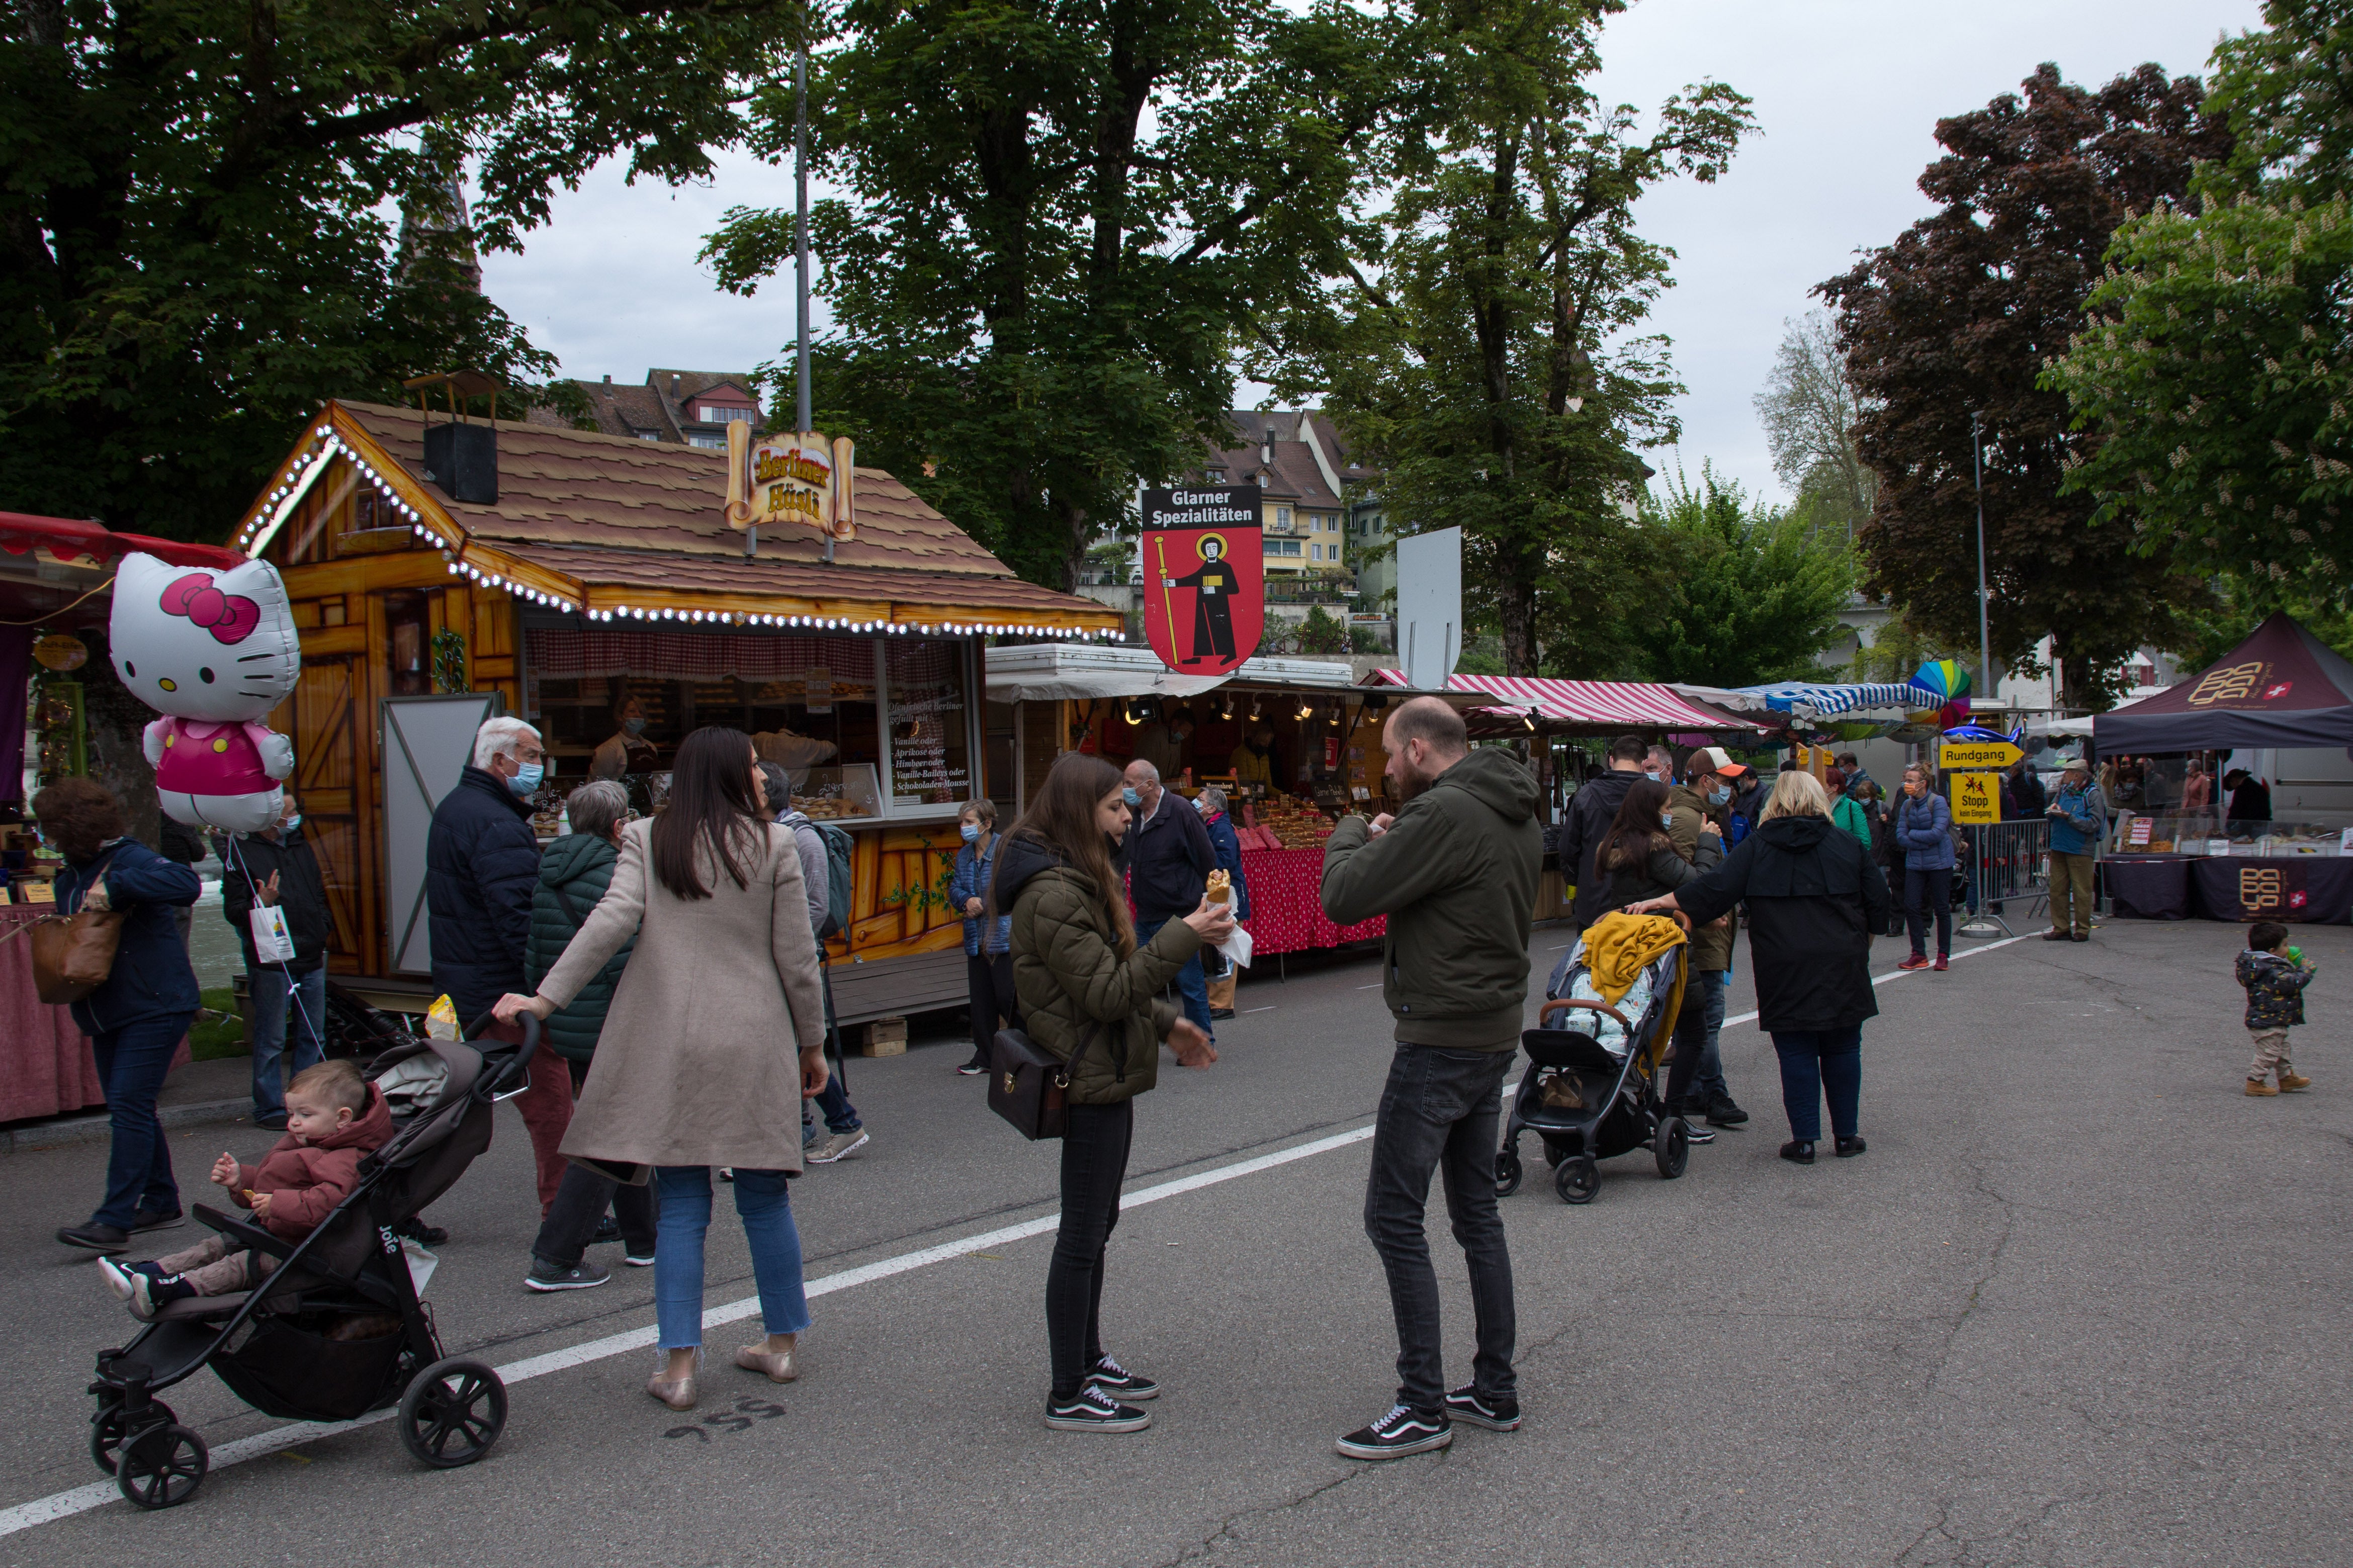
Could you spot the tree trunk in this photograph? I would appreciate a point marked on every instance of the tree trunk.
(1515, 610)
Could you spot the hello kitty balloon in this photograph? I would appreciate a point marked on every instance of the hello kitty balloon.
(214, 652)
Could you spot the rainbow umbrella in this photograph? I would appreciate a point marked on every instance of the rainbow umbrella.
(1949, 680)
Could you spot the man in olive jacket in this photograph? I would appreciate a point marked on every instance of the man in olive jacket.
(1696, 1085)
(1455, 871)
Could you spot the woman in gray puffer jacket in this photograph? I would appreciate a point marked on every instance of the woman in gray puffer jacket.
(1924, 831)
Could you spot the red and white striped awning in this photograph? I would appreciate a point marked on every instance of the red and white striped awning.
(1636, 704)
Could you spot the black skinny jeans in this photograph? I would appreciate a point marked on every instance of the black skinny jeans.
(988, 978)
(580, 1203)
(1439, 1111)
(1094, 1163)
(1923, 891)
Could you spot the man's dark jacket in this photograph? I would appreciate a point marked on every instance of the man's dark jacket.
(481, 864)
(1169, 859)
(301, 893)
(1814, 898)
(1591, 810)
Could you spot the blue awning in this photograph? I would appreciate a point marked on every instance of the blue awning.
(1810, 699)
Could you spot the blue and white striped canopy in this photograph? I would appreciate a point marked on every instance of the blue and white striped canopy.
(1821, 701)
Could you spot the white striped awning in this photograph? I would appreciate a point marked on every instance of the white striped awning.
(1635, 704)
(1821, 700)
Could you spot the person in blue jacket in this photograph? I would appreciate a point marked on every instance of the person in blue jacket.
(2079, 820)
(987, 944)
(138, 1015)
(1229, 847)
(1924, 831)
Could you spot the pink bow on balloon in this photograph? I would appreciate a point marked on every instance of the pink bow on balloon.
(230, 617)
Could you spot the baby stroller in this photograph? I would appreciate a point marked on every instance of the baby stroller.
(337, 1328)
(1592, 1086)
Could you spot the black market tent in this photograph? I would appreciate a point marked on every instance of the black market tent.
(2282, 686)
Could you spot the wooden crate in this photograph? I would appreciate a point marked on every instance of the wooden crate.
(881, 1037)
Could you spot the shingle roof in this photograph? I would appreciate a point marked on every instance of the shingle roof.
(609, 511)
(1292, 476)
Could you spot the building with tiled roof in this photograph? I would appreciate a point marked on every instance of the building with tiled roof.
(682, 407)
(1291, 459)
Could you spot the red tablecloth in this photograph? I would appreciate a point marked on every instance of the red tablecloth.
(45, 1063)
(1287, 905)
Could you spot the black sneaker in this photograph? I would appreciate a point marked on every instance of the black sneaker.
(150, 1294)
(157, 1219)
(1120, 1383)
(1695, 1133)
(271, 1121)
(1402, 1431)
(974, 1067)
(581, 1276)
(608, 1229)
(1499, 1412)
(1722, 1111)
(416, 1230)
(1092, 1410)
(95, 1238)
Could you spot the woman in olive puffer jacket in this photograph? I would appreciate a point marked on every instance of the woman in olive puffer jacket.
(1090, 996)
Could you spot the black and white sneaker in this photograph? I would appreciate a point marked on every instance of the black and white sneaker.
(581, 1276)
(1402, 1431)
(1094, 1411)
(1497, 1413)
(1120, 1383)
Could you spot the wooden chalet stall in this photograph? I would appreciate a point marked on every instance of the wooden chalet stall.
(598, 585)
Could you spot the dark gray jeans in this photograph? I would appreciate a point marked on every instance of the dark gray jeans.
(1440, 1112)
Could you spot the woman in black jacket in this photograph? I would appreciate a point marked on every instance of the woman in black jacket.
(1637, 860)
(1814, 898)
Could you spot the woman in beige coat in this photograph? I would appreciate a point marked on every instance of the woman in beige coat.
(696, 1067)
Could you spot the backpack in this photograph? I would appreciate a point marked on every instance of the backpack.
(839, 875)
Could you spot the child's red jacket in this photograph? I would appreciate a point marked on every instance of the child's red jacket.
(306, 1181)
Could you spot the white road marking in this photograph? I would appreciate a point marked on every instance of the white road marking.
(96, 1494)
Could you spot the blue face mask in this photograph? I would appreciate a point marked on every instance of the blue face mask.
(293, 822)
(1666, 819)
(970, 832)
(634, 726)
(527, 781)
(1718, 795)
(1130, 797)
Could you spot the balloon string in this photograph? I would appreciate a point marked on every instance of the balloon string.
(43, 620)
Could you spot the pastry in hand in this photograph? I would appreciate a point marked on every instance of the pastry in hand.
(1220, 888)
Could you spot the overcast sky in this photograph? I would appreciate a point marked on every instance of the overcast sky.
(1847, 93)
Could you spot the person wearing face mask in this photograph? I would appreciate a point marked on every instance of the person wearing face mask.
(988, 957)
(288, 998)
(482, 869)
(1168, 857)
(1699, 810)
(625, 751)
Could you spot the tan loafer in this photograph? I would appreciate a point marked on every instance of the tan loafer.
(776, 1366)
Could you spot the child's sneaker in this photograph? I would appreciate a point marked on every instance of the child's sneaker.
(151, 1293)
(2292, 1083)
(122, 1277)
(2256, 1086)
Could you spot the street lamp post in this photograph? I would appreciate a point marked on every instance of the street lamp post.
(1985, 638)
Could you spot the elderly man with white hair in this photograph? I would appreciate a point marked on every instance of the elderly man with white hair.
(1169, 859)
(482, 865)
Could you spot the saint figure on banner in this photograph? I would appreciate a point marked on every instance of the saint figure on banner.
(1213, 585)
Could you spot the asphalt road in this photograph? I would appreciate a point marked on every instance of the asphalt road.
(2077, 1305)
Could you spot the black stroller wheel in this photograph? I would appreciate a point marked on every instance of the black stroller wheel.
(1671, 1146)
(454, 1410)
(105, 1430)
(162, 1465)
(1576, 1179)
(1507, 1171)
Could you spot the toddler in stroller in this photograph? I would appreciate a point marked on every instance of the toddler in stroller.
(330, 1325)
(334, 1118)
(1592, 1088)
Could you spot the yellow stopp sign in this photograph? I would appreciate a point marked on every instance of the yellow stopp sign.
(1977, 799)
(1953, 754)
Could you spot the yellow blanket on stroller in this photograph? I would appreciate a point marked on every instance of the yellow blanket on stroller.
(1619, 947)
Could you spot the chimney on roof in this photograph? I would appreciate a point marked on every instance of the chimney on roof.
(608, 381)
(1266, 446)
(673, 383)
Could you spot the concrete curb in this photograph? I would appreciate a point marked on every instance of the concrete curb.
(99, 1129)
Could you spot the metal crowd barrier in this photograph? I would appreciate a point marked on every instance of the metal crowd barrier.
(2007, 862)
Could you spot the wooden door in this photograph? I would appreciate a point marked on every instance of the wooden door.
(330, 776)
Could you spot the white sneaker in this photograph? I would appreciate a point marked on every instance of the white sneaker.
(837, 1145)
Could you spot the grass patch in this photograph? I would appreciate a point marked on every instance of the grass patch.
(224, 1036)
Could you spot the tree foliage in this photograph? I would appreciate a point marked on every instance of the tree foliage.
(2214, 375)
(1061, 220)
(1808, 411)
(1753, 592)
(1479, 356)
(196, 217)
(1957, 317)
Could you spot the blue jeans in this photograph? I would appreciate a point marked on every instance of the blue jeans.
(765, 1207)
(1818, 1064)
(1439, 1111)
(274, 1020)
(132, 1062)
(840, 1115)
(1191, 984)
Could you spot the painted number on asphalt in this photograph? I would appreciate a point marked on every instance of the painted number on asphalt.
(740, 1419)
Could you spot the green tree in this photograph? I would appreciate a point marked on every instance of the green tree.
(1808, 412)
(1481, 354)
(198, 239)
(2213, 377)
(1061, 221)
(1752, 593)
(1957, 319)
(1321, 631)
